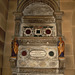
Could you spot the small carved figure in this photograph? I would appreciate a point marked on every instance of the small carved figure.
(14, 46)
(61, 46)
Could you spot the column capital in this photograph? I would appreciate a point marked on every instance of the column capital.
(18, 15)
(58, 15)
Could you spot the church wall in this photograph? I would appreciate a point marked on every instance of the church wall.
(3, 13)
(1, 57)
(68, 31)
(73, 33)
(3, 21)
(8, 38)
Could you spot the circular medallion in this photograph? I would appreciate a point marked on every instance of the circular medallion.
(24, 53)
(48, 31)
(51, 53)
(28, 31)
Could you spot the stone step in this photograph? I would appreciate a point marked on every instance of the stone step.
(36, 74)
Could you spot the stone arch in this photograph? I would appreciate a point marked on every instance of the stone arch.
(38, 8)
(25, 3)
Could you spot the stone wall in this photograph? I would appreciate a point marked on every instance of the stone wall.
(68, 28)
(8, 38)
(3, 22)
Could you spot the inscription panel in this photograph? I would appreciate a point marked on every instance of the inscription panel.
(36, 53)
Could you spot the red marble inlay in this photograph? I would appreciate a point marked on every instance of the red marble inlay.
(24, 53)
(28, 31)
(48, 31)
